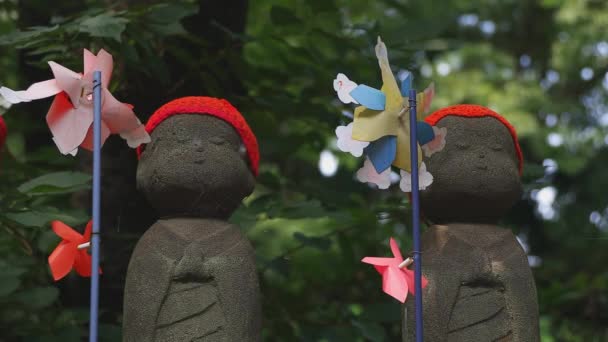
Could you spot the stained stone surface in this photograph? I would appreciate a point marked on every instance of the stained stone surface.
(192, 275)
(480, 285)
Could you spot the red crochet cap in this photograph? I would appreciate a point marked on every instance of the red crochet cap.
(219, 108)
(476, 111)
(3, 132)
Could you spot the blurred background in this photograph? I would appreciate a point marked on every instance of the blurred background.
(541, 63)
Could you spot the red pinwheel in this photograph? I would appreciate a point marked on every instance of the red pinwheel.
(397, 280)
(71, 251)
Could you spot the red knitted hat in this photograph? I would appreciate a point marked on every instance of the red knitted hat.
(219, 108)
(476, 111)
(3, 132)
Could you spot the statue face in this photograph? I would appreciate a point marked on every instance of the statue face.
(194, 166)
(476, 176)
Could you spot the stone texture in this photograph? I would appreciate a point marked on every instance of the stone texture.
(480, 285)
(192, 275)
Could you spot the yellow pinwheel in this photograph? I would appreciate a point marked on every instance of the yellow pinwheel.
(382, 117)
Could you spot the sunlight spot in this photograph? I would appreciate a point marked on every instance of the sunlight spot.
(487, 27)
(545, 198)
(443, 68)
(601, 49)
(603, 120)
(525, 61)
(550, 166)
(395, 178)
(328, 163)
(595, 217)
(468, 20)
(551, 120)
(534, 260)
(586, 73)
(426, 71)
(555, 139)
(402, 74)
(551, 78)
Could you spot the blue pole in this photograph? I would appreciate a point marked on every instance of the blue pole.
(416, 216)
(96, 206)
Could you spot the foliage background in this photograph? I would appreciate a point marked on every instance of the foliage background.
(541, 63)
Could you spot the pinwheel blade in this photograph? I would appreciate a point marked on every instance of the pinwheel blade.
(382, 152)
(369, 97)
(394, 283)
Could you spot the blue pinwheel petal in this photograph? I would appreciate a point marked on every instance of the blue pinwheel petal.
(382, 152)
(369, 97)
(425, 132)
(406, 84)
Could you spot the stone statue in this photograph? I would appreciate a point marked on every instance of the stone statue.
(480, 285)
(192, 275)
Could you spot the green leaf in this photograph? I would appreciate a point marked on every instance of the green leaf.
(165, 18)
(280, 15)
(15, 143)
(321, 243)
(10, 277)
(104, 26)
(17, 37)
(280, 265)
(38, 297)
(57, 182)
(8, 285)
(42, 217)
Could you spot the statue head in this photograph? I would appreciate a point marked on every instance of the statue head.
(202, 160)
(477, 174)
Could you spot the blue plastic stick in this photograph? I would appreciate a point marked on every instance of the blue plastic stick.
(416, 216)
(96, 206)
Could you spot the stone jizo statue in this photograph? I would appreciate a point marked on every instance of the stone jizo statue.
(192, 275)
(480, 285)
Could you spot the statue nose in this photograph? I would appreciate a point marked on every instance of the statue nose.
(482, 155)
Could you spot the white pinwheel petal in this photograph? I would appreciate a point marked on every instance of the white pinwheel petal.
(343, 86)
(368, 174)
(346, 143)
(425, 179)
(36, 91)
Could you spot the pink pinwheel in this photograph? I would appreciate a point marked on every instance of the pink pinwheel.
(397, 280)
(71, 251)
(71, 114)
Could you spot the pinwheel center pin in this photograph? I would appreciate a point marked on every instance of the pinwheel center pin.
(406, 263)
(86, 94)
(84, 245)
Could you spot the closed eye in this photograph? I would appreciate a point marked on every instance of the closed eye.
(497, 148)
(462, 146)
